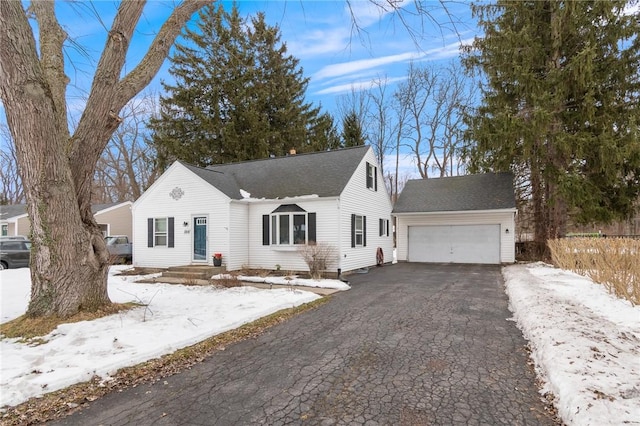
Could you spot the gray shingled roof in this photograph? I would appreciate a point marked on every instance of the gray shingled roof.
(458, 193)
(95, 208)
(14, 210)
(321, 173)
(9, 211)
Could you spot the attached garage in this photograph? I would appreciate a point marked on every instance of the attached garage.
(462, 219)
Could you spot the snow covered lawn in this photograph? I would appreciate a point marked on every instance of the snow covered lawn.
(176, 316)
(585, 343)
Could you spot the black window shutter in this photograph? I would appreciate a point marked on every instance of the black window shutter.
(380, 227)
(170, 236)
(388, 226)
(150, 232)
(265, 229)
(353, 230)
(367, 175)
(364, 231)
(311, 217)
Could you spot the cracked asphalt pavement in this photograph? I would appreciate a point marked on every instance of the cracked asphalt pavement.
(409, 344)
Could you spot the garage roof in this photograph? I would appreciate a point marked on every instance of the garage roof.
(488, 191)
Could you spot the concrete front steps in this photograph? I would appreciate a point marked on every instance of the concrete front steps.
(189, 274)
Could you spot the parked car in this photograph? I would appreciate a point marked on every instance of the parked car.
(13, 238)
(119, 248)
(14, 253)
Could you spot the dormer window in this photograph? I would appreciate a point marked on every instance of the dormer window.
(372, 177)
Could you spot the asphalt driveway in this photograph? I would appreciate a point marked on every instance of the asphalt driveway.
(409, 344)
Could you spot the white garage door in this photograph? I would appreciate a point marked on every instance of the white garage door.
(455, 244)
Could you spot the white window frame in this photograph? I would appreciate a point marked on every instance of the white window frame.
(359, 232)
(371, 176)
(157, 233)
(275, 224)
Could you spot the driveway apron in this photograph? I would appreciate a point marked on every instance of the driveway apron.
(409, 344)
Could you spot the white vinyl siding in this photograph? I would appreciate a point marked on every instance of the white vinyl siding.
(502, 218)
(287, 256)
(117, 218)
(357, 199)
(199, 199)
(238, 253)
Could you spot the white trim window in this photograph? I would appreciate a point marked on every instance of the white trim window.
(289, 228)
(358, 231)
(160, 231)
(288, 225)
(372, 177)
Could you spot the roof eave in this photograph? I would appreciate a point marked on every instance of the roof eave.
(454, 212)
(282, 200)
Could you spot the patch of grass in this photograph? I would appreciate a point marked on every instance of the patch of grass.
(228, 280)
(61, 403)
(27, 328)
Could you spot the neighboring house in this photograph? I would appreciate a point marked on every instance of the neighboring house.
(9, 216)
(113, 219)
(258, 214)
(461, 219)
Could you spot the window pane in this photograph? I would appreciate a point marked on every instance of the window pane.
(299, 229)
(358, 230)
(284, 229)
(161, 225)
(274, 229)
(161, 240)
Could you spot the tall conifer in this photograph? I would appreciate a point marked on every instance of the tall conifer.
(560, 106)
(237, 95)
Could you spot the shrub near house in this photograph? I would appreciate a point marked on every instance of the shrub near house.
(612, 262)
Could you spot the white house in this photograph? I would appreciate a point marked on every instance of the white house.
(257, 214)
(460, 219)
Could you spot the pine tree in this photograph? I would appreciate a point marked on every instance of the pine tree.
(560, 106)
(352, 133)
(237, 95)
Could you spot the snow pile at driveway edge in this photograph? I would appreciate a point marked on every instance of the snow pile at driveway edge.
(585, 343)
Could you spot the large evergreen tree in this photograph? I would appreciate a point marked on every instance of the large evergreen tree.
(237, 95)
(352, 132)
(560, 106)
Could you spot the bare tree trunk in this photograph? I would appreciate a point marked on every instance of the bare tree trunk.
(69, 264)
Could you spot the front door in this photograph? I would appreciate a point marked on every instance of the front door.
(200, 238)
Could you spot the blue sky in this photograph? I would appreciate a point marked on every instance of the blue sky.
(342, 46)
(333, 53)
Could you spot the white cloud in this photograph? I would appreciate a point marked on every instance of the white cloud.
(358, 85)
(363, 64)
(366, 13)
(347, 68)
(318, 42)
